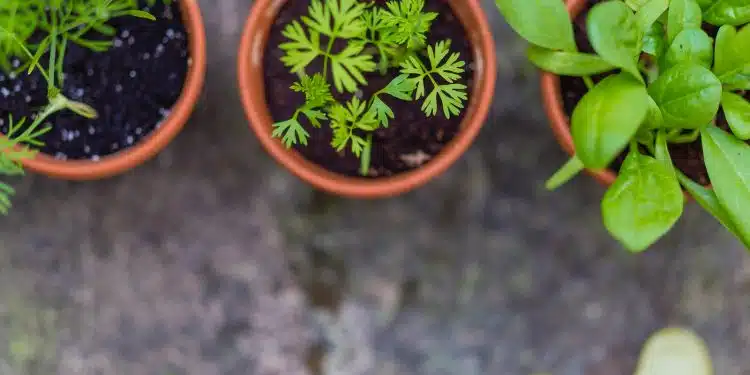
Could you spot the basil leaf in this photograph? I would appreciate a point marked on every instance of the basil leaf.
(706, 198)
(649, 12)
(614, 34)
(688, 95)
(704, 4)
(723, 51)
(661, 150)
(643, 203)
(606, 119)
(737, 59)
(737, 112)
(726, 159)
(569, 170)
(654, 41)
(567, 63)
(728, 12)
(691, 45)
(654, 118)
(636, 5)
(545, 23)
(683, 14)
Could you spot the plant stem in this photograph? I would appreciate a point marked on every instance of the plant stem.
(364, 160)
(328, 56)
(683, 138)
(588, 81)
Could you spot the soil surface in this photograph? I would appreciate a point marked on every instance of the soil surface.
(688, 157)
(410, 141)
(133, 86)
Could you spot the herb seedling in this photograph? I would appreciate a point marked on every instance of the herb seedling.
(375, 39)
(37, 32)
(667, 81)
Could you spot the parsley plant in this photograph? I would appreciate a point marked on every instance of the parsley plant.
(38, 32)
(375, 39)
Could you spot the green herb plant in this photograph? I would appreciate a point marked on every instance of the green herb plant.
(37, 33)
(374, 39)
(667, 79)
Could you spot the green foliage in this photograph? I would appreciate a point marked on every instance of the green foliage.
(667, 81)
(373, 39)
(53, 25)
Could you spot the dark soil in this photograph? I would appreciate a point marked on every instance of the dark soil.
(133, 86)
(411, 139)
(687, 157)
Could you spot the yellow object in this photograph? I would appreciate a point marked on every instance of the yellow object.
(673, 351)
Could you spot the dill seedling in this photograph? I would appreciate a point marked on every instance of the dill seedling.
(38, 32)
(376, 39)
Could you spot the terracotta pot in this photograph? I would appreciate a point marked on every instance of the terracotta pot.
(252, 90)
(152, 144)
(553, 105)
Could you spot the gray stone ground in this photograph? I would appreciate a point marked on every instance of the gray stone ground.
(213, 260)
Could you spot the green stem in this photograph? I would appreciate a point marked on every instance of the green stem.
(364, 160)
(588, 81)
(684, 138)
(52, 53)
(329, 49)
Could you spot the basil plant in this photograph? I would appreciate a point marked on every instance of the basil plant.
(666, 79)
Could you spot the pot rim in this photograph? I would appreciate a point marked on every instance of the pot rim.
(251, 50)
(160, 137)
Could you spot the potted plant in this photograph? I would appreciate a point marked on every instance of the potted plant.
(366, 98)
(92, 88)
(651, 101)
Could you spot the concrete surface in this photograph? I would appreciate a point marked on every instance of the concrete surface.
(213, 260)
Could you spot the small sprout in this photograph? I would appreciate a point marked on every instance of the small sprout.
(376, 39)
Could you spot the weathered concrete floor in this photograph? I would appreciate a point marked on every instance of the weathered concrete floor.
(213, 260)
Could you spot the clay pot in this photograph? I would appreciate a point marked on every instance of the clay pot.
(553, 105)
(151, 145)
(252, 90)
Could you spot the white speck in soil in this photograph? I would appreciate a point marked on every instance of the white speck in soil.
(92, 130)
(132, 74)
(170, 33)
(117, 42)
(5, 92)
(60, 156)
(12, 75)
(129, 140)
(164, 112)
(172, 76)
(2, 122)
(125, 34)
(27, 99)
(79, 93)
(165, 40)
(131, 40)
(17, 87)
(90, 72)
(159, 49)
(118, 88)
(138, 131)
(86, 149)
(95, 157)
(16, 63)
(146, 56)
(2, 78)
